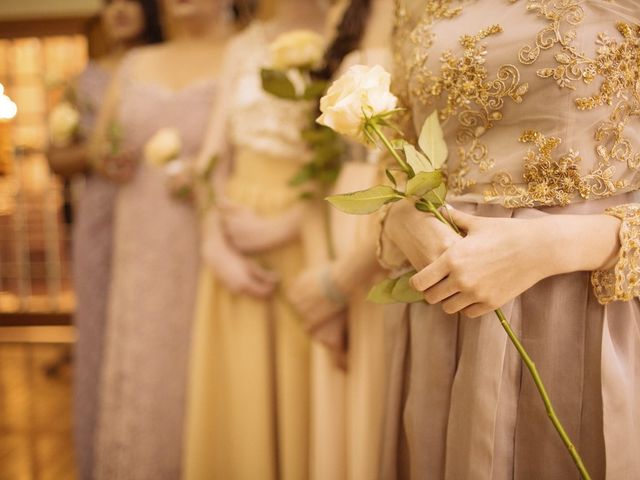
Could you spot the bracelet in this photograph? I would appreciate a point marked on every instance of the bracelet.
(331, 290)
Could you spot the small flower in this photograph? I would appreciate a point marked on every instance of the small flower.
(64, 122)
(163, 147)
(297, 49)
(179, 177)
(359, 95)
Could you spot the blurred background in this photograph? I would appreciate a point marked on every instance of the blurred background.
(43, 45)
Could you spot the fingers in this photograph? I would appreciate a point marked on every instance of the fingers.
(262, 274)
(431, 274)
(461, 219)
(457, 303)
(441, 291)
(477, 310)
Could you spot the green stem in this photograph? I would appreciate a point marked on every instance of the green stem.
(531, 366)
(506, 326)
(376, 129)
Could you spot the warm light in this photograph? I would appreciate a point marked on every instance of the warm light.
(1, 89)
(8, 109)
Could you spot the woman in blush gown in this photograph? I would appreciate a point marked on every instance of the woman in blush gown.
(250, 374)
(353, 272)
(126, 24)
(155, 259)
(539, 105)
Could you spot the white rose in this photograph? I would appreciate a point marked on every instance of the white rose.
(361, 91)
(163, 147)
(297, 49)
(63, 124)
(178, 177)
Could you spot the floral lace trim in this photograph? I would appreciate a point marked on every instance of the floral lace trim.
(622, 283)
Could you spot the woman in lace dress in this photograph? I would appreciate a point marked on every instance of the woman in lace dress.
(539, 103)
(250, 386)
(155, 258)
(126, 24)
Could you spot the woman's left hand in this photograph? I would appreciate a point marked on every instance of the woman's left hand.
(310, 299)
(497, 260)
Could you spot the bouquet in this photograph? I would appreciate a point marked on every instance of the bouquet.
(64, 124)
(294, 57)
(163, 151)
(360, 105)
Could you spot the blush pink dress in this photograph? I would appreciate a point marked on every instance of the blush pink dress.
(151, 304)
(540, 106)
(92, 237)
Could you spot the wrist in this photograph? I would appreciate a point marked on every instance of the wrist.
(582, 242)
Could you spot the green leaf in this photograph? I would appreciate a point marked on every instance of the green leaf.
(315, 89)
(432, 142)
(364, 202)
(303, 175)
(403, 292)
(417, 160)
(278, 84)
(114, 135)
(423, 182)
(398, 143)
(437, 196)
(381, 292)
(211, 165)
(391, 178)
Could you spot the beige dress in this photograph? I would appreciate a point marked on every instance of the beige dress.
(249, 405)
(540, 106)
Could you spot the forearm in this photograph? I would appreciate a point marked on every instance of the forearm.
(357, 267)
(68, 161)
(579, 242)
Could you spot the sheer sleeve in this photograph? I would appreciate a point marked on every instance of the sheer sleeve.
(622, 282)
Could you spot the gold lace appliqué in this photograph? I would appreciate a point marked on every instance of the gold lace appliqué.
(549, 181)
(473, 98)
(622, 283)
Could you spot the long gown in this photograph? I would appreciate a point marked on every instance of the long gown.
(249, 388)
(152, 298)
(540, 112)
(92, 236)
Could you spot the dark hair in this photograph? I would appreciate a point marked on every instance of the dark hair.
(152, 32)
(243, 11)
(152, 27)
(348, 37)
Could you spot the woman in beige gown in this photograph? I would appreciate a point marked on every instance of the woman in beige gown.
(540, 107)
(249, 405)
(353, 272)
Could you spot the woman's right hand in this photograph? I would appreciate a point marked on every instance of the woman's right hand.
(421, 237)
(239, 274)
(118, 167)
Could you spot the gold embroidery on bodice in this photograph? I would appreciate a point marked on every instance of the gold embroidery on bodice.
(465, 91)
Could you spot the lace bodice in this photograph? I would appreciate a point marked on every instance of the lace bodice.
(539, 99)
(260, 121)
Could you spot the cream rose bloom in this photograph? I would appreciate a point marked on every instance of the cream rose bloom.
(63, 124)
(178, 176)
(297, 49)
(361, 91)
(163, 147)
